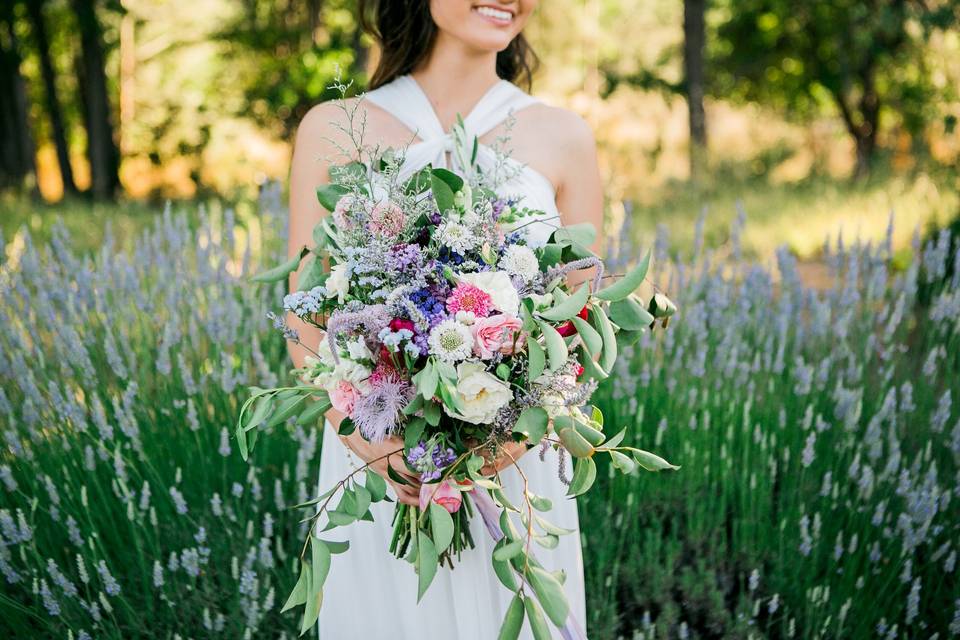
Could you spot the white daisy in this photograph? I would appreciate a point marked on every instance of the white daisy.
(450, 341)
(519, 260)
(457, 236)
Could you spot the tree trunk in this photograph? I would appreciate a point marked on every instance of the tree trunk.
(54, 111)
(862, 125)
(16, 143)
(101, 144)
(694, 38)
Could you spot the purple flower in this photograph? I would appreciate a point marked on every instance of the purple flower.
(403, 258)
(430, 459)
(377, 414)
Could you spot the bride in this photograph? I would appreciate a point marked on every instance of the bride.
(441, 58)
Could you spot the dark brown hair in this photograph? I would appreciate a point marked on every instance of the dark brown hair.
(405, 31)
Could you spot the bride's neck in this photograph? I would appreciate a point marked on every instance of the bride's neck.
(451, 65)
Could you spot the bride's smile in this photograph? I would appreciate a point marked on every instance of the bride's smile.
(494, 15)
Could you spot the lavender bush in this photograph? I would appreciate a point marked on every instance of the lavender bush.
(819, 433)
(119, 374)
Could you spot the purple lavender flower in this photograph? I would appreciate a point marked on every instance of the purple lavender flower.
(403, 258)
(430, 458)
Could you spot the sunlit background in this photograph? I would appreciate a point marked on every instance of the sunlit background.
(817, 116)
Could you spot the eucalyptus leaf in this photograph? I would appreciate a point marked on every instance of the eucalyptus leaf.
(538, 624)
(622, 461)
(441, 524)
(630, 314)
(299, 594)
(312, 413)
(627, 284)
(584, 473)
(651, 461)
(442, 193)
(591, 338)
(550, 594)
(427, 561)
(376, 485)
(583, 233)
(536, 359)
(503, 569)
(575, 443)
(513, 621)
(556, 347)
(568, 307)
(608, 353)
(282, 270)
(508, 550)
(287, 409)
(329, 194)
(532, 423)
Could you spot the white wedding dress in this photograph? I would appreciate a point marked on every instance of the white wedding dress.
(371, 595)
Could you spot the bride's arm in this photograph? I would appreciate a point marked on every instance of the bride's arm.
(579, 192)
(312, 153)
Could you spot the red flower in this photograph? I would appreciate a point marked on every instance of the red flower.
(567, 328)
(579, 369)
(399, 323)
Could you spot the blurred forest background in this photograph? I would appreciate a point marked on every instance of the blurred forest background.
(811, 117)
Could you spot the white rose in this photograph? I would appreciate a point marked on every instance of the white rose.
(358, 349)
(481, 395)
(338, 284)
(498, 286)
(348, 371)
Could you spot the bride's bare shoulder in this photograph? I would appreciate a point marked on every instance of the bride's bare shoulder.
(562, 129)
(329, 124)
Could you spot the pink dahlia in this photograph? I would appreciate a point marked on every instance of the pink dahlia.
(467, 297)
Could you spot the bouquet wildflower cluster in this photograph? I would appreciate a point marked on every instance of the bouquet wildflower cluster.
(445, 327)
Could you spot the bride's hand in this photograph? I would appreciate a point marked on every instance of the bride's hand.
(377, 455)
(509, 453)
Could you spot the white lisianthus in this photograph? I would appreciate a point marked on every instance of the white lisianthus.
(358, 349)
(457, 236)
(541, 301)
(466, 317)
(352, 372)
(450, 341)
(519, 260)
(480, 394)
(325, 353)
(338, 284)
(498, 286)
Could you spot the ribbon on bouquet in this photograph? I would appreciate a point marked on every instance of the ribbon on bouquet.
(572, 630)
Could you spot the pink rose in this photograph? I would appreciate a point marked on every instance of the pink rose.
(446, 494)
(343, 396)
(495, 333)
(386, 219)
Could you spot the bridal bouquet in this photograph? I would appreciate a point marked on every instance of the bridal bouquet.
(445, 328)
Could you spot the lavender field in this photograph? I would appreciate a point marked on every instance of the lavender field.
(818, 431)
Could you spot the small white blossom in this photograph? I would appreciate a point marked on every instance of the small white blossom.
(519, 260)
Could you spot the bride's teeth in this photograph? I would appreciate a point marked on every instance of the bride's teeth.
(494, 13)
